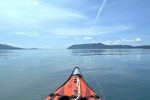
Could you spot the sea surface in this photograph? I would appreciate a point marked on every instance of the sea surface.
(114, 74)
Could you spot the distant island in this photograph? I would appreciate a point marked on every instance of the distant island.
(9, 47)
(5, 46)
(34, 48)
(103, 46)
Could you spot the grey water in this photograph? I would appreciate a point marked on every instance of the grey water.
(114, 74)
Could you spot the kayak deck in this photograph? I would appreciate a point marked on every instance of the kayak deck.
(75, 88)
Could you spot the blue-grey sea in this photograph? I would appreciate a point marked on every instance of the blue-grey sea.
(114, 74)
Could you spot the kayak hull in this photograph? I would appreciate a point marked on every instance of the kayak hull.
(70, 90)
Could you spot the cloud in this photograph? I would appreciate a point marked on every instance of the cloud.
(32, 34)
(87, 38)
(76, 38)
(112, 42)
(94, 30)
(93, 41)
(138, 40)
(117, 42)
(24, 14)
(132, 40)
(35, 3)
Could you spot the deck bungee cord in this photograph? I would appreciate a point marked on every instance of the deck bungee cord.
(78, 86)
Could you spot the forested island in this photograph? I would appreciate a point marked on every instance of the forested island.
(103, 46)
(8, 47)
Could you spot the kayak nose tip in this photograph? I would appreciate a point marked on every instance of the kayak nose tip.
(76, 71)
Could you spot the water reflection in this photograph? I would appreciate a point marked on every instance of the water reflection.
(90, 52)
(85, 52)
(8, 54)
(3, 53)
(134, 54)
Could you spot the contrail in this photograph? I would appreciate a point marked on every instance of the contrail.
(100, 10)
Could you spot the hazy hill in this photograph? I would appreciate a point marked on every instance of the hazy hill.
(5, 46)
(103, 46)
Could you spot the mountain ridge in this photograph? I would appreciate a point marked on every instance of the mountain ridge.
(103, 46)
(8, 47)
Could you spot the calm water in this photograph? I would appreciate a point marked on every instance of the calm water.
(113, 74)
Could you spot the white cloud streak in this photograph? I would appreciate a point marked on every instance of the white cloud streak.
(35, 3)
(87, 38)
(117, 42)
(31, 34)
(138, 40)
(29, 13)
(90, 31)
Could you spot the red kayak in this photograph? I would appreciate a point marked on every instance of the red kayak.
(75, 88)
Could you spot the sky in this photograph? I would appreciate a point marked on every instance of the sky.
(58, 24)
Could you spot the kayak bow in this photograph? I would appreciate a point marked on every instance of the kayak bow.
(75, 88)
